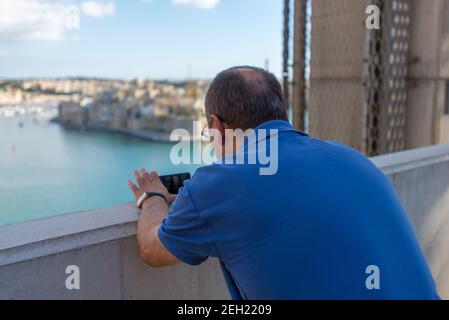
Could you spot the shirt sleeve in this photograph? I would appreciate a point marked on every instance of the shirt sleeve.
(185, 234)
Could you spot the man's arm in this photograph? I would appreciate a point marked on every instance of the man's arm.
(154, 210)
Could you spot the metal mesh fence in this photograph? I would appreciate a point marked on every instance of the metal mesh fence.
(337, 53)
(358, 87)
(386, 79)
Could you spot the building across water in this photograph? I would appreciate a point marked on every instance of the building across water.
(143, 111)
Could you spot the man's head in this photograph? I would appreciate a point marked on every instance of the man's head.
(243, 98)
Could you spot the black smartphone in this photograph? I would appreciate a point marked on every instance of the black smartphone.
(174, 182)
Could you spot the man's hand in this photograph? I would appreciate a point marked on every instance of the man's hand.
(149, 182)
(154, 210)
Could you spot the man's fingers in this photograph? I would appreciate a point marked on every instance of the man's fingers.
(136, 174)
(153, 175)
(139, 178)
(145, 174)
(134, 189)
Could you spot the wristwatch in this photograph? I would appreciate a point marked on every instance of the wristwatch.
(148, 195)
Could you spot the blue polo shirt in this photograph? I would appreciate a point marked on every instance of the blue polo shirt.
(326, 225)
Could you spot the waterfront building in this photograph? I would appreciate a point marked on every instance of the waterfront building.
(72, 114)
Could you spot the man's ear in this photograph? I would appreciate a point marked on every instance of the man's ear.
(217, 124)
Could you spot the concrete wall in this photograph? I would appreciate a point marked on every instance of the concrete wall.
(444, 129)
(444, 74)
(428, 67)
(421, 179)
(34, 255)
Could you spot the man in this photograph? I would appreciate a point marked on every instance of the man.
(326, 225)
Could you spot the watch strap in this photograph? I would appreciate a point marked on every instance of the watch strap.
(148, 195)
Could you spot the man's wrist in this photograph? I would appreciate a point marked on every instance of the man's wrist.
(146, 195)
(152, 200)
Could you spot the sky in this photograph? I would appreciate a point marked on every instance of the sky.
(157, 39)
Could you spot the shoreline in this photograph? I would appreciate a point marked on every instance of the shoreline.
(147, 135)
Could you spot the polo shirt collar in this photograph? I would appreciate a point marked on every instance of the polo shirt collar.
(278, 125)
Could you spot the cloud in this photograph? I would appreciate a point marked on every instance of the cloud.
(203, 4)
(97, 9)
(23, 20)
(45, 20)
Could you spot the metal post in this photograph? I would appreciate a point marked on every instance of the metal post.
(286, 54)
(299, 63)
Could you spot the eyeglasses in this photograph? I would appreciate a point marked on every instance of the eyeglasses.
(206, 132)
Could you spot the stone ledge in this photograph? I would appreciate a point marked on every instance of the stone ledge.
(412, 159)
(38, 238)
